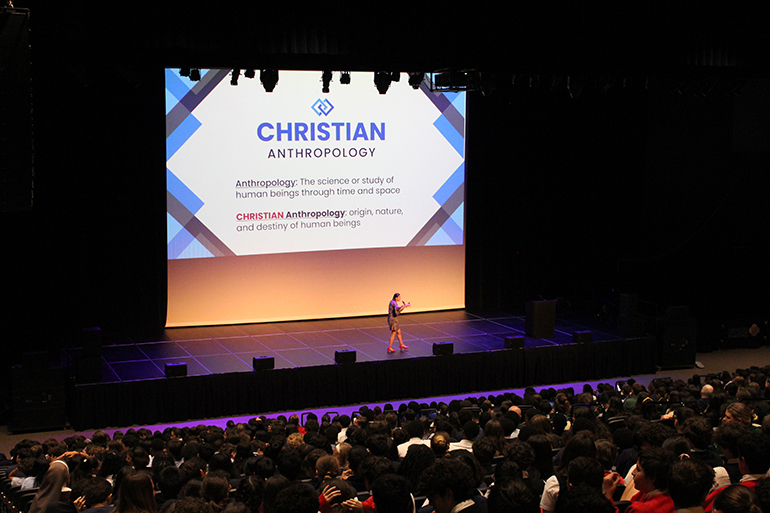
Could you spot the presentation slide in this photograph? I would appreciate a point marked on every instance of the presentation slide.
(299, 204)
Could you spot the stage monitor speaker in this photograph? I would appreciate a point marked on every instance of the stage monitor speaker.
(540, 319)
(443, 348)
(583, 337)
(345, 356)
(678, 342)
(38, 399)
(516, 342)
(176, 370)
(261, 363)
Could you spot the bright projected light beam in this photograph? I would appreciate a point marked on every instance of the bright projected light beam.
(298, 205)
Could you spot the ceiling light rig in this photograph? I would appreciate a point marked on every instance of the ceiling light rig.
(195, 74)
(326, 78)
(382, 81)
(234, 76)
(268, 77)
(415, 79)
(249, 73)
(345, 77)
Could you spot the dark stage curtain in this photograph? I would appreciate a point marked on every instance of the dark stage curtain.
(221, 395)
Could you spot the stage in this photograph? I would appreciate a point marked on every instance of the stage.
(221, 381)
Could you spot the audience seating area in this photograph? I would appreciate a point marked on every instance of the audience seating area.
(696, 444)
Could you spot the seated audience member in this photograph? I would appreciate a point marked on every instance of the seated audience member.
(334, 496)
(297, 498)
(584, 499)
(581, 444)
(699, 434)
(689, 482)
(753, 461)
(391, 494)
(416, 431)
(191, 505)
(417, 459)
(651, 481)
(215, 489)
(136, 494)
(471, 431)
(449, 486)
(737, 499)
(170, 485)
(512, 495)
(727, 437)
(97, 495)
(250, 492)
(737, 412)
(51, 485)
(273, 486)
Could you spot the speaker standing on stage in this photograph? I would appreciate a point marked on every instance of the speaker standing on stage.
(394, 310)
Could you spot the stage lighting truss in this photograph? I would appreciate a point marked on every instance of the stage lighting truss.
(450, 80)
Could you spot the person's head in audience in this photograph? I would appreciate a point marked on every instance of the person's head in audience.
(754, 454)
(652, 469)
(273, 486)
(136, 494)
(606, 454)
(446, 484)
(97, 492)
(417, 459)
(439, 443)
(652, 434)
(250, 491)
(471, 430)
(689, 481)
(512, 495)
(737, 412)
(297, 498)
(584, 471)
(678, 445)
(346, 492)
(171, 482)
(392, 494)
(327, 467)
(582, 499)
(216, 487)
(581, 444)
(190, 505)
(373, 468)
(736, 498)
(289, 464)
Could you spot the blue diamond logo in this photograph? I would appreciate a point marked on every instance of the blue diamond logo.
(322, 107)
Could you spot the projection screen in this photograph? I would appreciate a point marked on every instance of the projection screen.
(298, 204)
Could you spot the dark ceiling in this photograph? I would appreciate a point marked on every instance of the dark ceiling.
(539, 37)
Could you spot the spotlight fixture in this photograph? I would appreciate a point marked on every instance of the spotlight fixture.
(195, 74)
(382, 81)
(344, 77)
(184, 72)
(249, 73)
(234, 77)
(395, 76)
(326, 78)
(268, 77)
(415, 79)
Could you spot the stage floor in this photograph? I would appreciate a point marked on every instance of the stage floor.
(230, 349)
